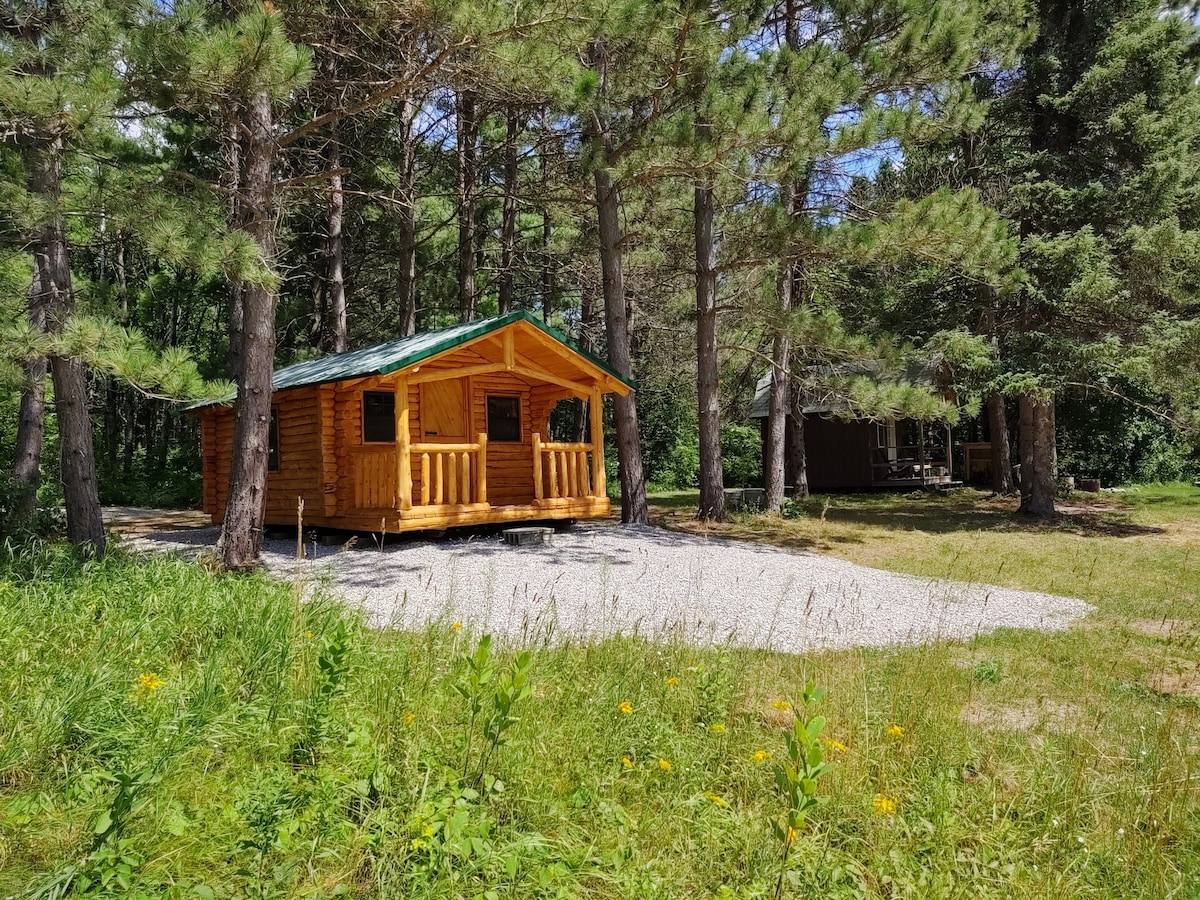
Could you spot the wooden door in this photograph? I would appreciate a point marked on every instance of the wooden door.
(444, 411)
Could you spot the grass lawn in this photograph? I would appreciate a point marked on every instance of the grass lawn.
(168, 732)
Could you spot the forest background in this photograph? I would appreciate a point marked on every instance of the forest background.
(196, 192)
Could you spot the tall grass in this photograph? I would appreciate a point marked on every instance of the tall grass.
(168, 732)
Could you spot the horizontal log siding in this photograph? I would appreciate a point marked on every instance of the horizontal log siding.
(510, 464)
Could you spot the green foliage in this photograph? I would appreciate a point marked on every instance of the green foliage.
(741, 455)
(130, 666)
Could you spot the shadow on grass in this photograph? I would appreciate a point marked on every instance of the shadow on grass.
(1102, 516)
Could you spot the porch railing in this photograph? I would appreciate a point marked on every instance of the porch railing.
(563, 471)
(451, 473)
(375, 477)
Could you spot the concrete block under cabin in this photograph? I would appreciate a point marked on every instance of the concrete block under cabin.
(523, 537)
(440, 429)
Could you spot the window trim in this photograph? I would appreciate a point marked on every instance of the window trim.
(363, 407)
(488, 418)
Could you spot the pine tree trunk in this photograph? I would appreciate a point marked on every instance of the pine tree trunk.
(508, 224)
(796, 465)
(1002, 481)
(634, 508)
(407, 237)
(548, 287)
(335, 253)
(467, 137)
(774, 439)
(242, 529)
(712, 486)
(31, 421)
(85, 526)
(1039, 457)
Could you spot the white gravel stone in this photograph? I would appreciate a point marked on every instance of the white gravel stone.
(601, 580)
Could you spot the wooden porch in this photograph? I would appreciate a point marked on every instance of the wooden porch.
(433, 485)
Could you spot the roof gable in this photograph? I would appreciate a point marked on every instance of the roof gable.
(384, 359)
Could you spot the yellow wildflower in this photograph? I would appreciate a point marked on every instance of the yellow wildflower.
(308, 635)
(717, 728)
(781, 704)
(792, 834)
(894, 730)
(418, 845)
(410, 718)
(456, 626)
(837, 745)
(717, 799)
(148, 682)
(626, 707)
(672, 682)
(884, 805)
(664, 765)
(760, 756)
(627, 762)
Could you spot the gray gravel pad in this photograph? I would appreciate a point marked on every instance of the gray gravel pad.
(601, 580)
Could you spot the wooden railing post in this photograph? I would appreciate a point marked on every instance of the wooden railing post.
(596, 410)
(537, 465)
(483, 467)
(424, 479)
(403, 462)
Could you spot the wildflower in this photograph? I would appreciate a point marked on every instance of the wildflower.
(717, 799)
(410, 718)
(836, 745)
(717, 728)
(625, 708)
(664, 765)
(791, 836)
(672, 682)
(149, 682)
(627, 762)
(884, 805)
(308, 635)
(456, 626)
(781, 704)
(418, 845)
(894, 730)
(760, 756)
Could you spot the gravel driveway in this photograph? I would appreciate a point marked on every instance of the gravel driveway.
(599, 580)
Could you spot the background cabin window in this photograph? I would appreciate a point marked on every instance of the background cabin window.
(379, 417)
(273, 443)
(504, 418)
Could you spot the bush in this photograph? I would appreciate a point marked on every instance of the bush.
(741, 456)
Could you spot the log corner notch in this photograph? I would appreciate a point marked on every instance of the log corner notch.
(469, 406)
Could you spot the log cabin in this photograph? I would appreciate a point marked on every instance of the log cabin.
(843, 452)
(440, 429)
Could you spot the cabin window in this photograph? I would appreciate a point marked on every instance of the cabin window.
(273, 443)
(379, 417)
(503, 418)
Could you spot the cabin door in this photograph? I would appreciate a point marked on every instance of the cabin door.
(444, 411)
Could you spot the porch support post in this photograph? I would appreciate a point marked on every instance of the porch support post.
(403, 440)
(537, 465)
(482, 478)
(596, 413)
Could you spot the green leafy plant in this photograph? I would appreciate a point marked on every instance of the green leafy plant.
(329, 681)
(491, 698)
(796, 776)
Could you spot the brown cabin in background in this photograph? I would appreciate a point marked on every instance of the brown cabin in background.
(859, 454)
(443, 428)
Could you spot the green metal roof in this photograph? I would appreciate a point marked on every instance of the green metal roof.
(385, 358)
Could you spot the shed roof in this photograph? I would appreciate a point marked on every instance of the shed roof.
(383, 359)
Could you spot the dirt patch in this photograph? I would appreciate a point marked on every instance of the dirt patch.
(1024, 715)
(1175, 683)
(1170, 630)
